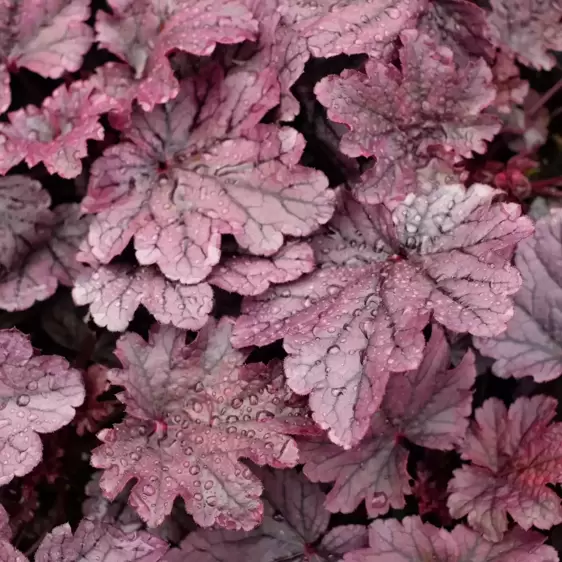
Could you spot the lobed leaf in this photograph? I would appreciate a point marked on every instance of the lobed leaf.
(48, 264)
(514, 454)
(201, 166)
(48, 37)
(383, 270)
(193, 411)
(402, 117)
(532, 343)
(144, 32)
(428, 407)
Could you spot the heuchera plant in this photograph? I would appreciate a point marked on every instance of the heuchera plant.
(280, 280)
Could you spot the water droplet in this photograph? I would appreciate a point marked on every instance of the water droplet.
(148, 490)
(32, 385)
(134, 456)
(378, 500)
(23, 400)
(194, 470)
(333, 349)
(236, 403)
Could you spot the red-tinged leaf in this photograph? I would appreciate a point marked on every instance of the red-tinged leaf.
(294, 528)
(514, 454)
(94, 411)
(114, 292)
(402, 117)
(143, 32)
(39, 395)
(48, 37)
(429, 407)
(49, 264)
(411, 540)
(193, 411)
(529, 29)
(382, 271)
(56, 133)
(201, 166)
(332, 27)
(94, 541)
(511, 90)
(460, 25)
(251, 275)
(532, 343)
(25, 219)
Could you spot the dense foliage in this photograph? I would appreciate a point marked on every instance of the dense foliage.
(280, 280)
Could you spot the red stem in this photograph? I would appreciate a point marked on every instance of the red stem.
(545, 98)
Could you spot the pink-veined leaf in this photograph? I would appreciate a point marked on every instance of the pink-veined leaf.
(49, 264)
(39, 395)
(48, 37)
(529, 29)
(460, 25)
(25, 218)
(94, 541)
(55, 133)
(532, 343)
(293, 528)
(382, 272)
(252, 275)
(428, 406)
(114, 292)
(201, 166)
(143, 32)
(404, 116)
(193, 411)
(411, 540)
(332, 27)
(514, 454)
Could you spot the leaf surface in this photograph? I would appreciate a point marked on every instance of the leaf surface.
(193, 411)
(514, 454)
(38, 394)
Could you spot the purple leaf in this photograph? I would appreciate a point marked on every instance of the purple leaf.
(48, 37)
(332, 27)
(193, 410)
(94, 541)
(532, 343)
(25, 219)
(39, 395)
(414, 541)
(529, 29)
(176, 189)
(429, 407)
(460, 25)
(115, 291)
(51, 263)
(514, 454)
(382, 271)
(294, 528)
(251, 275)
(402, 117)
(56, 133)
(143, 32)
